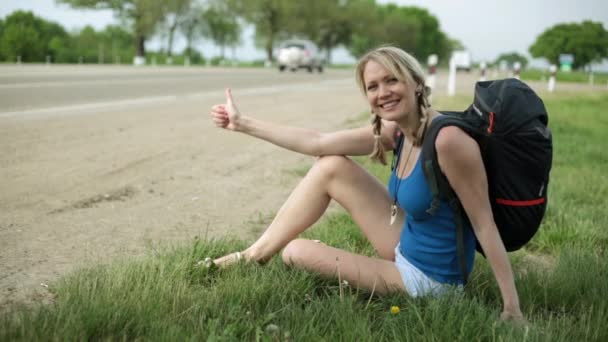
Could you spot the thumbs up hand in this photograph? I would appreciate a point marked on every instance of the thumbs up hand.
(226, 115)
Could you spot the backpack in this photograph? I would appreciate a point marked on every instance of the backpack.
(509, 123)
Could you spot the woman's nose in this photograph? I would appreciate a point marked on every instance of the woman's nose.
(384, 91)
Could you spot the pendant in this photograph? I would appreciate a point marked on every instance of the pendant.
(393, 214)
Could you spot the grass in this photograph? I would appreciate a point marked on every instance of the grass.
(561, 276)
(599, 78)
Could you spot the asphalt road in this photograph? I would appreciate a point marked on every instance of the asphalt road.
(27, 89)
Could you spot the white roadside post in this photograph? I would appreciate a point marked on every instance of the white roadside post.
(18, 59)
(452, 78)
(139, 60)
(48, 60)
(482, 71)
(502, 66)
(187, 61)
(516, 69)
(552, 71)
(432, 71)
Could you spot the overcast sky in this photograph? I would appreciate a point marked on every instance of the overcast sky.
(486, 27)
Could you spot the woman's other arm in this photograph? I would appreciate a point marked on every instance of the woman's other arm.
(460, 160)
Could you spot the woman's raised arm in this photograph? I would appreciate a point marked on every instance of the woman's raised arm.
(357, 141)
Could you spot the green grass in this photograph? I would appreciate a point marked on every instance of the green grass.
(561, 276)
(599, 78)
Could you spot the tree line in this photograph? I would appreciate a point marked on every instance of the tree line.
(358, 25)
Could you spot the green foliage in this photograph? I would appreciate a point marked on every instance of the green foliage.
(28, 36)
(175, 12)
(222, 26)
(162, 58)
(573, 76)
(587, 41)
(511, 58)
(329, 23)
(142, 15)
(410, 28)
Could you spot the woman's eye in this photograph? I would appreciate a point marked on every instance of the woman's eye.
(393, 80)
(371, 87)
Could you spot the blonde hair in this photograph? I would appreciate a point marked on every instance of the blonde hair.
(406, 69)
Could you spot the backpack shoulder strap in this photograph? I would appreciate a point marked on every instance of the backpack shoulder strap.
(438, 183)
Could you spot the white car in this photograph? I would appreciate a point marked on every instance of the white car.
(297, 53)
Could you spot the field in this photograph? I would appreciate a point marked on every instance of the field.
(561, 275)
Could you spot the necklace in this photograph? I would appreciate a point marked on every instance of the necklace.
(394, 205)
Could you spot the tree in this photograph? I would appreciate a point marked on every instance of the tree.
(410, 28)
(328, 23)
(270, 18)
(28, 36)
(192, 28)
(588, 42)
(222, 25)
(511, 58)
(2, 56)
(177, 11)
(142, 15)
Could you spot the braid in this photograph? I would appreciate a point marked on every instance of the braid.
(378, 153)
(423, 103)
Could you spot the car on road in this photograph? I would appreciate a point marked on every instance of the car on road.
(298, 53)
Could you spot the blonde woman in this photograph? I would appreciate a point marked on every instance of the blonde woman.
(416, 253)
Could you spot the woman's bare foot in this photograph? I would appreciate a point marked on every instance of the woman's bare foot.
(221, 262)
(228, 259)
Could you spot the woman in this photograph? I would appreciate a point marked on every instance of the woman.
(421, 257)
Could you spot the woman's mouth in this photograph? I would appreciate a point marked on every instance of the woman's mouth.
(389, 104)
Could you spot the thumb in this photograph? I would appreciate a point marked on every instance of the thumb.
(229, 100)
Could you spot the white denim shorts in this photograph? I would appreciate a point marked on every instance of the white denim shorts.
(416, 283)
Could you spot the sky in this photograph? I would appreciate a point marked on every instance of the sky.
(486, 27)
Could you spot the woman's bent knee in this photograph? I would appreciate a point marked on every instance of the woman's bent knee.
(296, 252)
(330, 165)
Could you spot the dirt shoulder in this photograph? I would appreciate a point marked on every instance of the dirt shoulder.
(85, 188)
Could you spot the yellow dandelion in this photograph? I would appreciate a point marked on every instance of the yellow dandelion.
(395, 309)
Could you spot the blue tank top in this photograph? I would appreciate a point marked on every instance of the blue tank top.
(429, 241)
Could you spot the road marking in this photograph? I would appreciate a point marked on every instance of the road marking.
(94, 107)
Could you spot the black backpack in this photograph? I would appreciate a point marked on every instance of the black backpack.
(509, 122)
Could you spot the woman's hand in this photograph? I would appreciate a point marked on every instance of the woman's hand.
(226, 115)
(512, 316)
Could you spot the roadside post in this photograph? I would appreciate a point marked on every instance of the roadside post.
(48, 60)
(431, 79)
(18, 59)
(482, 71)
(552, 72)
(516, 69)
(452, 78)
(187, 61)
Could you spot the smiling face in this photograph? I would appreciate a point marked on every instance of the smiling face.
(391, 97)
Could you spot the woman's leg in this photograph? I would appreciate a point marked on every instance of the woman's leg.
(374, 274)
(337, 177)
